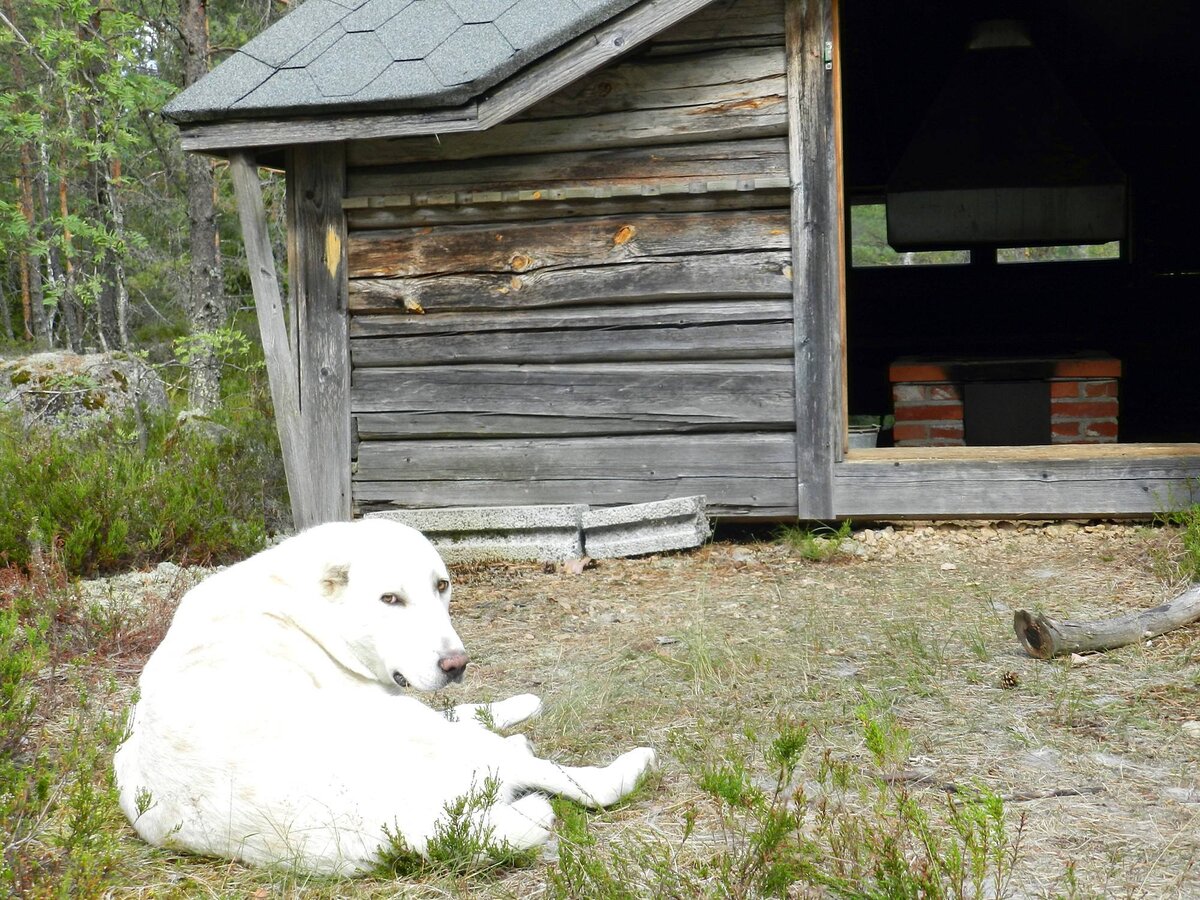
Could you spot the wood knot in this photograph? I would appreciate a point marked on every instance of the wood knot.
(624, 235)
(520, 262)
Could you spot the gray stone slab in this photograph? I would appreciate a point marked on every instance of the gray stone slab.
(472, 534)
(638, 528)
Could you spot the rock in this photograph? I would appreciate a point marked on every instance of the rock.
(68, 390)
(193, 421)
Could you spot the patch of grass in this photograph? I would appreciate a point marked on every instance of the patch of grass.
(1187, 521)
(462, 842)
(756, 832)
(817, 543)
(59, 819)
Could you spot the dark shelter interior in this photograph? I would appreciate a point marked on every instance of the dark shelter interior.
(1130, 177)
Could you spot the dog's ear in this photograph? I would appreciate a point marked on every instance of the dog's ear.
(334, 580)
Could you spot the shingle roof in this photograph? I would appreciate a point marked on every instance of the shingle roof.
(352, 55)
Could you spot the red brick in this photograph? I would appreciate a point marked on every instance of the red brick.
(907, 393)
(916, 372)
(944, 392)
(946, 433)
(1099, 388)
(1102, 430)
(910, 433)
(1060, 430)
(1059, 389)
(1084, 409)
(1088, 368)
(928, 412)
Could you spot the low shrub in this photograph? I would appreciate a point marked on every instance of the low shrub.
(126, 493)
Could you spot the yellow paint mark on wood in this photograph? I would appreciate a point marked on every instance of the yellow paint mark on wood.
(333, 251)
(624, 235)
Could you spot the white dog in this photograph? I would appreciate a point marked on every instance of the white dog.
(271, 724)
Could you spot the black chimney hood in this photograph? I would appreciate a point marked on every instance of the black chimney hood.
(1004, 158)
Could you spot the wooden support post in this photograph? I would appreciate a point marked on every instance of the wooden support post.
(816, 256)
(316, 184)
(281, 367)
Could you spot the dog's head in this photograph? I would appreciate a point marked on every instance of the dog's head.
(390, 596)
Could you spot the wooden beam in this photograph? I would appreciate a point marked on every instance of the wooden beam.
(1006, 484)
(281, 367)
(816, 263)
(317, 226)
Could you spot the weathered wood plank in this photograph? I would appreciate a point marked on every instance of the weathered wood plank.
(382, 213)
(815, 251)
(677, 278)
(583, 55)
(512, 401)
(653, 457)
(521, 247)
(729, 497)
(710, 82)
(725, 21)
(759, 329)
(316, 182)
(687, 163)
(736, 94)
(223, 137)
(1014, 488)
(281, 363)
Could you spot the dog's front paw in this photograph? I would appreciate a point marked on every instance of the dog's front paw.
(627, 771)
(515, 710)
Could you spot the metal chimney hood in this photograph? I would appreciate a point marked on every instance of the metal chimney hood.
(1004, 159)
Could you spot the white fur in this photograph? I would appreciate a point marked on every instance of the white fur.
(271, 728)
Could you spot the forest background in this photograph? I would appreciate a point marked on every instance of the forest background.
(110, 236)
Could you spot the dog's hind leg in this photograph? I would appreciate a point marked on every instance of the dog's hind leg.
(501, 714)
(590, 785)
(519, 825)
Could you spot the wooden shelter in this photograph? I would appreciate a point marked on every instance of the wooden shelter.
(598, 251)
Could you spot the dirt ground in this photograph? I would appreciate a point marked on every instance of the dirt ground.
(1097, 757)
(917, 618)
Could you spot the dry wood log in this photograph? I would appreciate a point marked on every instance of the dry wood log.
(1045, 638)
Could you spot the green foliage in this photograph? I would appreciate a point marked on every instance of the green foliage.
(764, 836)
(1187, 521)
(59, 822)
(462, 842)
(119, 495)
(816, 544)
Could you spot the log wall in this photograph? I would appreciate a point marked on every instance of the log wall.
(590, 303)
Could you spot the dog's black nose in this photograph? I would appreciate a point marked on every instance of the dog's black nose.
(454, 665)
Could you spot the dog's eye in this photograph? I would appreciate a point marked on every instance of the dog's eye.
(442, 585)
(392, 599)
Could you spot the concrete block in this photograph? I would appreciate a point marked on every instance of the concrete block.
(474, 534)
(676, 524)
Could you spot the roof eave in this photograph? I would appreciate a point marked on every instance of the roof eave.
(538, 80)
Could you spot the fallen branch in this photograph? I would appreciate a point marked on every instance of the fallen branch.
(1045, 638)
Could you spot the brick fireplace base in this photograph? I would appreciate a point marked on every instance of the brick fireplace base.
(928, 396)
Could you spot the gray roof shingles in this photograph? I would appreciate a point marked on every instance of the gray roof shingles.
(361, 55)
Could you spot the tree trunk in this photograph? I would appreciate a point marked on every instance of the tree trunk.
(110, 175)
(1045, 638)
(206, 302)
(68, 307)
(32, 295)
